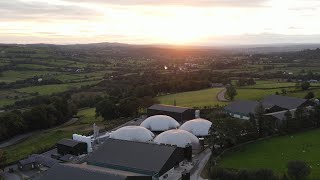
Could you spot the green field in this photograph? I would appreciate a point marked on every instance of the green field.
(274, 153)
(54, 88)
(12, 76)
(200, 98)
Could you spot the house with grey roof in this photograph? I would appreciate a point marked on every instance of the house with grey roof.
(144, 158)
(241, 109)
(176, 112)
(36, 161)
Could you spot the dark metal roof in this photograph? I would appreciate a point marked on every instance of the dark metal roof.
(168, 108)
(70, 172)
(69, 142)
(242, 107)
(147, 158)
(36, 158)
(283, 101)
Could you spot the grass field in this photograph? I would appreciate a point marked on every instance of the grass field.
(12, 76)
(55, 88)
(274, 153)
(44, 140)
(200, 98)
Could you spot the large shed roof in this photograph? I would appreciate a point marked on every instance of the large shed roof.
(66, 171)
(283, 101)
(146, 158)
(168, 108)
(242, 106)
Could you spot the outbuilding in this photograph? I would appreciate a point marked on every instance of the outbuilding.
(178, 113)
(69, 146)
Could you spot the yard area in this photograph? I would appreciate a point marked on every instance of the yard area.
(274, 153)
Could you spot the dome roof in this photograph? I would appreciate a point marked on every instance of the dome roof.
(160, 123)
(198, 127)
(132, 133)
(180, 138)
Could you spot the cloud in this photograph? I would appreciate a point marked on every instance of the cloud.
(35, 10)
(202, 3)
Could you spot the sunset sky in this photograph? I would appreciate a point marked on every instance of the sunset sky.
(188, 22)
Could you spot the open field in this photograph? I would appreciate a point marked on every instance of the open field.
(44, 140)
(12, 76)
(200, 98)
(274, 153)
(54, 88)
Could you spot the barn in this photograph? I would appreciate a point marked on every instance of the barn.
(180, 114)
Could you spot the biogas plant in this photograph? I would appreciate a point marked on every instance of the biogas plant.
(155, 147)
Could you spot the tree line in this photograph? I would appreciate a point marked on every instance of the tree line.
(53, 111)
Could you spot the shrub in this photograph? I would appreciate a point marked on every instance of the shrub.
(298, 169)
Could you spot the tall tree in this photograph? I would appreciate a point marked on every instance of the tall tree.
(107, 109)
(231, 92)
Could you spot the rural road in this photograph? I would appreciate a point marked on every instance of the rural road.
(221, 95)
(202, 161)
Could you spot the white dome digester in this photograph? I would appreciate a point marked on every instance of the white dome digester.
(198, 127)
(160, 123)
(132, 133)
(180, 138)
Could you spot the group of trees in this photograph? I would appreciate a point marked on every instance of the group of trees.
(300, 119)
(245, 82)
(55, 111)
(296, 170)
(111, 108)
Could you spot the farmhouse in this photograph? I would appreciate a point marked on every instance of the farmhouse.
(178, 113)
(138, 157)
(274, 105)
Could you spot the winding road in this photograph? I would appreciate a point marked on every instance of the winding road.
(221, 95)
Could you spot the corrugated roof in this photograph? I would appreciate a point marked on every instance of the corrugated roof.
(283, 101)
(242, 106)
(69, 142)
(36, 158)
(137, 156)
(168, 108)
(70, 172)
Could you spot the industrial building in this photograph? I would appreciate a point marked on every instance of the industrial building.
(151, 159)
(180, 114)
(73, 147)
